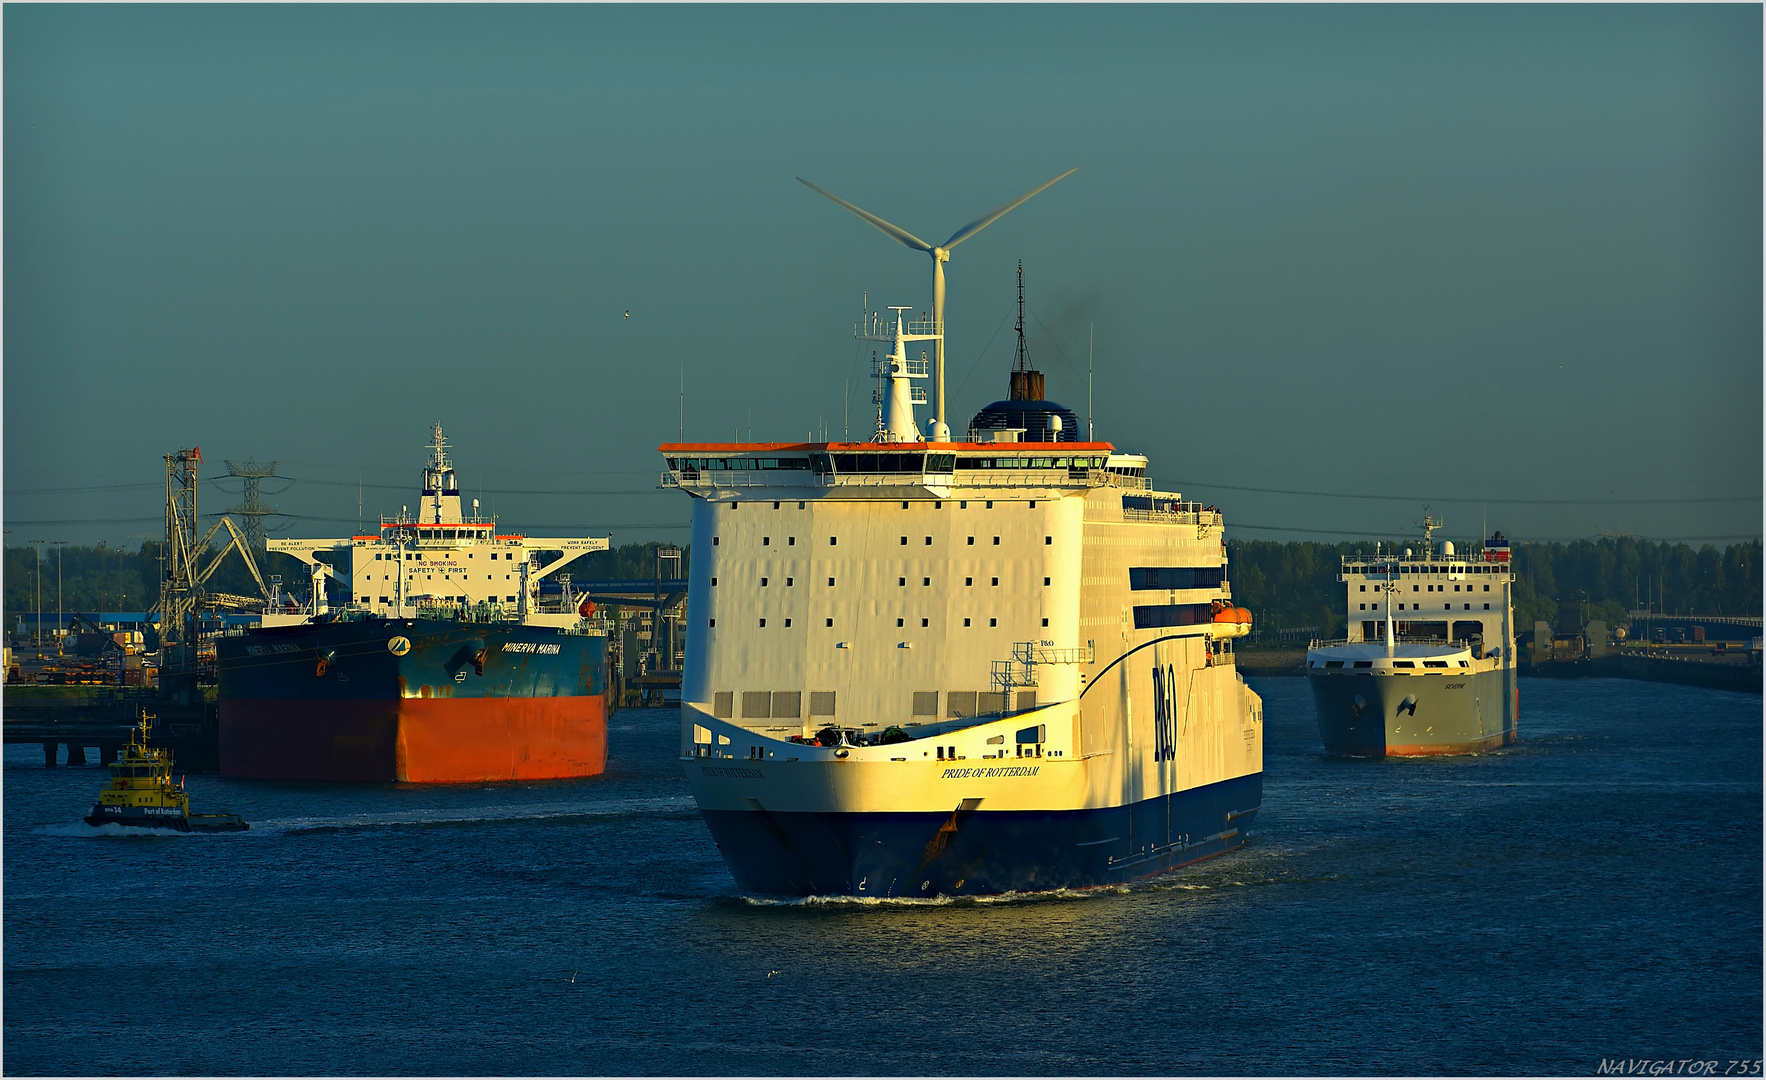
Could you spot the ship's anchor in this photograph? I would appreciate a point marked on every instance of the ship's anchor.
(325, 656)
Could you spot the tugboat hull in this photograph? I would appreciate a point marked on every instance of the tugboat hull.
(139, 817)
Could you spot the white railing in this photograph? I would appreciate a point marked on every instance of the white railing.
(1174, 517)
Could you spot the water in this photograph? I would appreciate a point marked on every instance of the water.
(1592, 893)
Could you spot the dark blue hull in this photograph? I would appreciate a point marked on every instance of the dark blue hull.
(981, 852)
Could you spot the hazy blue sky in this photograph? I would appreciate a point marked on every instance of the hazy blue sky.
(1480, 255)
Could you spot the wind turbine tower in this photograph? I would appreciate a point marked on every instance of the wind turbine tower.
(940, 255)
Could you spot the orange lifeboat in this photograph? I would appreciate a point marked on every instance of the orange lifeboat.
(1230, 621)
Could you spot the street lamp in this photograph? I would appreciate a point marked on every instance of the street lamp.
(60, 545)
(39, 547)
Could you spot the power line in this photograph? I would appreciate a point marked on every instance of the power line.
(1304, 530)
(1476, 499)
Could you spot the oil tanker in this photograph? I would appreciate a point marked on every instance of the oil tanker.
(445, 666)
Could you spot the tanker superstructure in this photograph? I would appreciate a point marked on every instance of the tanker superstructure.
(445, 666)
(921, 667)
(1428, 664)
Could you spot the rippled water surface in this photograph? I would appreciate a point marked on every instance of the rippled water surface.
(1592, 893)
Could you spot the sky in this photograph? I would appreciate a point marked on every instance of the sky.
(1329, 264)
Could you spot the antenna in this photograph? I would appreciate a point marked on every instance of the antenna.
(940, 256)
(1429, 525)
(1022, 361)
(1090, 340)
(683, 401)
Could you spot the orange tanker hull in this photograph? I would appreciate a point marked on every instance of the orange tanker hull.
(415, 740)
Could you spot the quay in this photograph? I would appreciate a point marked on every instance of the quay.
(101, 717)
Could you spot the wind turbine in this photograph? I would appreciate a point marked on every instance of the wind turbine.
(940, 255)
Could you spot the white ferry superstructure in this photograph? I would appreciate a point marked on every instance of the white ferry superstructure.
(1428, 663)
(920, 668)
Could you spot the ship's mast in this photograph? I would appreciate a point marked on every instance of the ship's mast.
(1022, 361)
(1429, 525)
(896, 395)
(1391, 575)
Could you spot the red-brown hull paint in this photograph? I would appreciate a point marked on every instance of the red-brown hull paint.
(415, 740)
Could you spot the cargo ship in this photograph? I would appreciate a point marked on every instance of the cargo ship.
(920, 667)
(449, 664)
(1428, 665)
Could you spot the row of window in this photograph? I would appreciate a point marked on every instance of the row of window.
(924, 623)
(1432, 588)
(899, 581)
(431, 577)
(937, 504)
(1151, 616)
(834, 541)
(959, 704)
(737, 464)
(772, 704)
(417, 556)
(1395, 663)
(1175, 577)
(1418, 607)
(1460, 568)
(455, 599)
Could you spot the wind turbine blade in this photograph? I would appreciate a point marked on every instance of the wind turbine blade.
(983, 222)
(884, 227)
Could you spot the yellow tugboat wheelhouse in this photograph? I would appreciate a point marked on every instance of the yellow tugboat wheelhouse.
(140, 793)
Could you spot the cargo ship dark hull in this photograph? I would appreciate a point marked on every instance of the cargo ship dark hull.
(1367, 714)
(412, 700)
(979, 852)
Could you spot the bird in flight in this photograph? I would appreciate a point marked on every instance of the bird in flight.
(628, 313)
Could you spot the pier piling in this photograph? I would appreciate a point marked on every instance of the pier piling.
(50, 748)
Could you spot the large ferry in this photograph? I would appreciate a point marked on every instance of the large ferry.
(1428, 666)
(449, 664)
(921, 667)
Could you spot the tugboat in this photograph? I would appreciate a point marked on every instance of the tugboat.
(141, 794)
